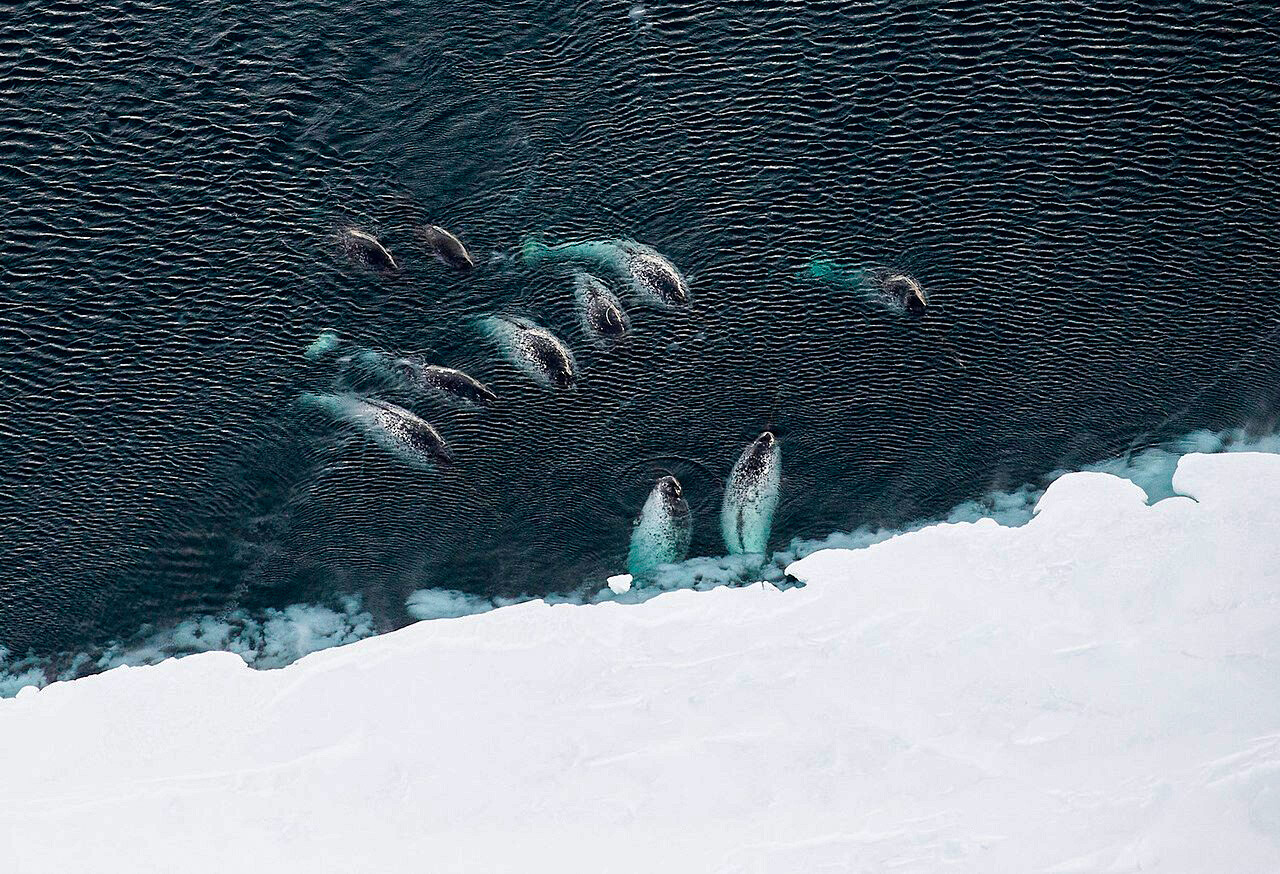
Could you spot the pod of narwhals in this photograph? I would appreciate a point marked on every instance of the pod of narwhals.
(663, 531)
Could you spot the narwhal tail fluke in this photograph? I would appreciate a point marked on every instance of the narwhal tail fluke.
(335, 405)
(533, 251)
(599, 251)
(830, 271)
(323, 345)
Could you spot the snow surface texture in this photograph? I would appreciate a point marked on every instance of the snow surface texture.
(1096, 690)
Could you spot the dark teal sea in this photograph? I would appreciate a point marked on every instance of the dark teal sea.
(1087, 192)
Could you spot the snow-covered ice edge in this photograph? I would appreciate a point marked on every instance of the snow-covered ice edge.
(1095, 690)
(274, 637)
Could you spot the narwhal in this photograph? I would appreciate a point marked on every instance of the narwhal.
(650, 274)
(447, 248)
(602, 314)
(905, 290)
(390, 426)
(896, 289)
(751, 496)
(533, 349)
(364, 247)
(447, 383)
(662, 531)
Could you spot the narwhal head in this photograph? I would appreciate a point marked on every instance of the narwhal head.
(662, 278)
(672, 287)
(672, 494)
(443, 455)
(611, 322)
(548, 355)
(905, 289)
(562, 375)
(760, 454)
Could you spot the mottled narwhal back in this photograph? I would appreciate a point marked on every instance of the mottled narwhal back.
(365, 248)
(751, 496)
(602, 314)
(391, 427)
(446, 382)
(406, 431)
(533, 349)
(447, 248)
(654, 277)
(662, 531)
(906, 291)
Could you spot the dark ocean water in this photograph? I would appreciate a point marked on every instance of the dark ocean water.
(1087, 192)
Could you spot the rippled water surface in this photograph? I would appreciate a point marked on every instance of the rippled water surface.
(1087, 193)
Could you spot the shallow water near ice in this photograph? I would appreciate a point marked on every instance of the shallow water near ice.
(1093, 225)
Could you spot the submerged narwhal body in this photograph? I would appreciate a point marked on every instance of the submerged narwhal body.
(651, 275)
(447, 248)
(391, 427)
(533, 349)
(751, 496)
(365, 248)
(448, 383)
(602, 314)
(662, 531)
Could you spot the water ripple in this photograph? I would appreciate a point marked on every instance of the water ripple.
(1086, 193)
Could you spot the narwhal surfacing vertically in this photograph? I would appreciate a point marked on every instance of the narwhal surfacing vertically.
(751, 497)
(662, 531)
